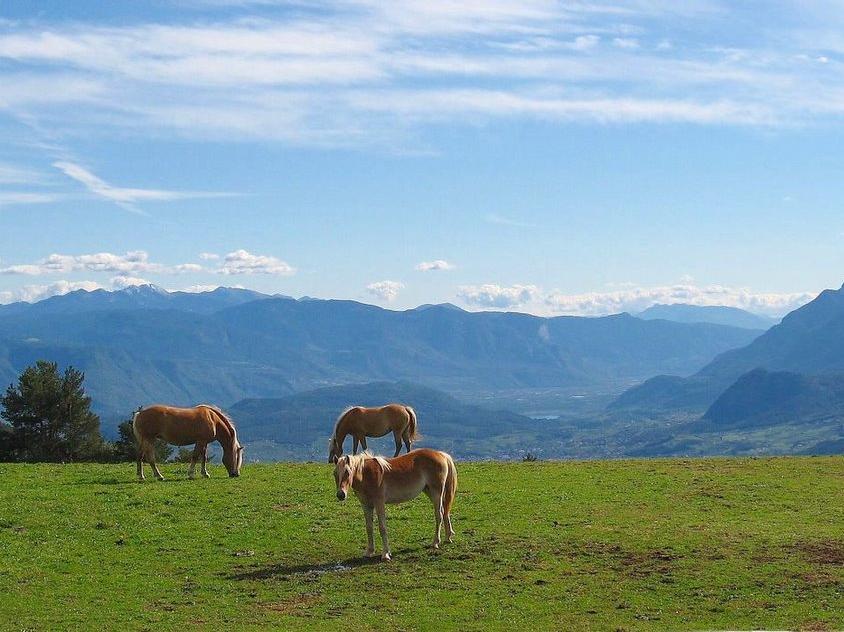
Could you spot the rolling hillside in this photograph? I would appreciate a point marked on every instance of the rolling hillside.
(298, 426)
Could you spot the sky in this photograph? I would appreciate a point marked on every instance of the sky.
(582, 157)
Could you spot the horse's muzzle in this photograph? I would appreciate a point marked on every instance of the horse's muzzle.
(341, 495)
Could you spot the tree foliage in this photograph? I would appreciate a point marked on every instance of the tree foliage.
(50, 417)
(126, 446)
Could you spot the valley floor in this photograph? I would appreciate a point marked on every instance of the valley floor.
(648, 544)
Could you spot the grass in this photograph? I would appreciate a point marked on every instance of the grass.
(632, 545)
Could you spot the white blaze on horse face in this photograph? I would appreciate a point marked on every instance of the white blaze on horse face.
(342, 477)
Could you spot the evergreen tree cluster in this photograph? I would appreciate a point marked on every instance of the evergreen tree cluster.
(47, 416)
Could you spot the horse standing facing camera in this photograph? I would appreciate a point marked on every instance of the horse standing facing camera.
(377, 482)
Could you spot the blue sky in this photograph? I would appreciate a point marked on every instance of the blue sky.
(558, 158)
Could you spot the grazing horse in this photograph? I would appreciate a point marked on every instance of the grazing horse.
(199, 425)
(377, 481)
(363, 422)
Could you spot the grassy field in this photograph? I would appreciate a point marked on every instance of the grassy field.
(666, 544)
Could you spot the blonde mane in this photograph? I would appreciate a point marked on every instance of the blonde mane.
(358, 460)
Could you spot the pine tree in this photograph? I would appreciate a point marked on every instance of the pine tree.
(50, 416)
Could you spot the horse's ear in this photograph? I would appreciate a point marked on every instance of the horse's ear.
(334, 459)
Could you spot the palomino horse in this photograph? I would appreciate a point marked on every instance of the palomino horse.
(363, 422)
(377, 481)
(199, 425)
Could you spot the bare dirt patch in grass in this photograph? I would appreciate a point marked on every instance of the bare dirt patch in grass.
(822, 551)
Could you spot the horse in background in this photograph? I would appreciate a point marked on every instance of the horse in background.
(377, 482)
(363, 422)
(199, 426)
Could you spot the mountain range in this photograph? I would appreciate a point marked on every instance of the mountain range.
(144, 344)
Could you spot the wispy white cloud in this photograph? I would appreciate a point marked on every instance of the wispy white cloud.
(432, 266)
(12, 174)
(19, 198)
(385, 290)
(34, 293)
(132, 262)
(337, 73)
(244, 262)
(124, 196)
(636, 299)
(208, 256)
(507, 221)
(493, 295)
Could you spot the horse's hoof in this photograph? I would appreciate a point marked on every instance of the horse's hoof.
(435, 546)
(369, 553)
(386, 557)
(206, 476)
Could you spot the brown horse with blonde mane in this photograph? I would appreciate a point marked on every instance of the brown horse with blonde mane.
(197, 426)
(363, 422)
(377, 482)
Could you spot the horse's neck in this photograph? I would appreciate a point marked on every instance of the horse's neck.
(225, 435)
(342, 430)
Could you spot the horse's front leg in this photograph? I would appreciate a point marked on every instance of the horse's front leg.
(382, 527)
(370, 537)
(355, 444)
(154, 465)
(363, 443)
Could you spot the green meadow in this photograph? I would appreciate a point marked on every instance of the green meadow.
(615, 545)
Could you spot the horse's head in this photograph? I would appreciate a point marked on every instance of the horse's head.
(233, 459)
(343, 476)
(335, 450)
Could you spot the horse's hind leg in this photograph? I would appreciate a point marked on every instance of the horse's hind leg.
(406, 439)
(397, 437)
(205, 473)
(363, 442)
(141, 463)
(355, 444)
(437, 501)
(193, 458)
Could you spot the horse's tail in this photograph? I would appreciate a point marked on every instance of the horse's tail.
(450, 486)
(135, 430)
(412, 426)
(139, 437)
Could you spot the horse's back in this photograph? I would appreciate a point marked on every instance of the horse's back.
(428, 459)
(179, 426)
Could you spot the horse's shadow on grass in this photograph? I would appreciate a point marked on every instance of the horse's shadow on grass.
(290, 571)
